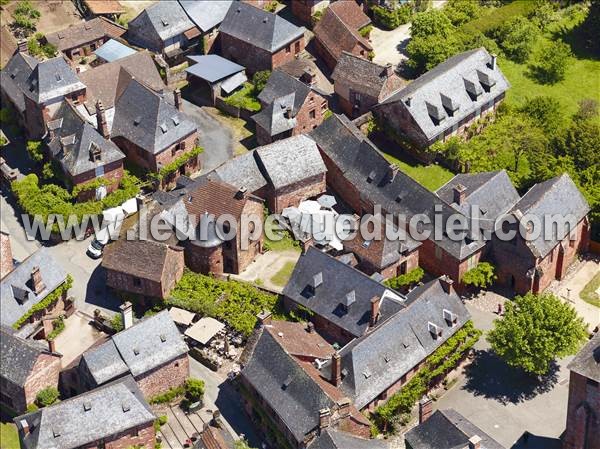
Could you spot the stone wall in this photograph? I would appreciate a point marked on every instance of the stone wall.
(141, 436)
(6, 256)
(292, 195)
(583, 414)
(171, 374)
(113, 172)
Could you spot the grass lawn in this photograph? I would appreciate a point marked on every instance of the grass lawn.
(285, 244)
(9, 437)
(282, 277)
(431, 176)
(590, 292)
(244, 98)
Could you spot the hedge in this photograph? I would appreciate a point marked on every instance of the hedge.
(404, 280)
(58, 325)
(46, 302)
(168, 395)
(176, 164)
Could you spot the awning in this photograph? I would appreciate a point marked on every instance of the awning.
(204, 330)
(181, 316)
(233, 82)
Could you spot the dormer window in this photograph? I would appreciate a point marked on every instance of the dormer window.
(371, 176)
(434, 330)
(450, 317)
(137, 120)
(449, 105)
(57, 77)
(95, 153)
(486, 80)
(163, 128)
(436, 113)
(474, 90)
(165, 22)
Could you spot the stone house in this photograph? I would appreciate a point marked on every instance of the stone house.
(257, 39)
(30, 283)
(304, 10)
(361, 84)
(82, 39)
(444, 101)
(152, 351)
(344, 303)
(289, 107)
(338, 32)
(583, 413)
(207, 16)
(530, 264)
(26, 368)
(82, 152)
(164, 28)
(114, 416)
(143, 267)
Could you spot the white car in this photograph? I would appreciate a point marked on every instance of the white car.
(98, 243)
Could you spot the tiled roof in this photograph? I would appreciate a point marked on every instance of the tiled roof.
(206, 14)
(18, 282)
(144, 259)
(351, 13)
(14, 78)
(259, 28)
(587, 361)
(241, 171)
(88, 418)
(82, 33)
(299, 342)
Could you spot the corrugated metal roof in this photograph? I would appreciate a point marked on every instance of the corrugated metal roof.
(213, 68)
(113, 50)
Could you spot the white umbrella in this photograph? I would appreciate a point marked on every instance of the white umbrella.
(291, 213)
(309, 207)
(327, 201)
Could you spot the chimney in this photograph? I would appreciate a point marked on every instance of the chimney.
(126, 314)
(408, 101)
(24, 426)
(264, 318)
(475, 442)
(336, 369)
(241, 193)
(216, 419)
(324, 418)
(344, 407)
(308, 77)
(375, 304)
(447, 284)
(101, 120)
(460, 194)
(177, 97)
(425, 409)
(389, 70)
(310, 328)
(51, 346)
(288, 112)
(493, 61)
(22, 46)
(37, 284)
(392, 171)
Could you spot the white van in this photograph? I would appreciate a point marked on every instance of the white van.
(98, 243)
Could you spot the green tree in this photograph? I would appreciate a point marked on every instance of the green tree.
(535, 330)
(47, 396)
(34, 148)
(582, 142)
(461, 11)
(26, 16)
(551, 62)
(260, 80)
(117, 322)
(546, 112)
(481, 276)
(517, 38)
(194, 389)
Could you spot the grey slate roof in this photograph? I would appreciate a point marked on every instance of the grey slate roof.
(558, 195)
(241, 171)
(14, 76)
(448, 429)
(290, 160)
(111, 409)
(273, 119)
(213, 68)
(158, 23)
(587, 361)
(51, 79)
(334, 439)
(152, 113)
(206, 14)
(53, 275)
(18, 356)
(259, 28)
(366, 168)
(75, 157)
(339, 280)
(450, 79)
(285, 386)
(140, 348)
(492, 192)
(380, 358)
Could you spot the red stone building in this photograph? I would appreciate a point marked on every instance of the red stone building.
(304, 10)
(257, 39)
(27, 367)
(583, 415)
(338, 31)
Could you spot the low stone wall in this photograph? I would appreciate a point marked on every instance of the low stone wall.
(232, 110)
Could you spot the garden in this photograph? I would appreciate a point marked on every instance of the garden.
(247, 97)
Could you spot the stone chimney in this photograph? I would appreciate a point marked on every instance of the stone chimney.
(264, 318)
(177, 97)
(101, 120)
(447, 284)
(24, 426)
(392, 172)
(425, 409)
(6, 257)
(310, 328)
(51, 346)
(460, 194)
(288, 112)
(475, 442)
(375, 305)
(216, 419)
(493, 61)
(126, 314)
(241, 193)
(344, 407)
(22, 46)
(308, 77)
(37, 283)
(324, 418)
(389, 70)
(336, 369)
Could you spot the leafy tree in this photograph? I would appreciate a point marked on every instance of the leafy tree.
(517, 38)
(34, 148)
(47, 396)
(260, 80)
(194, 389)
(481, 276)
(26, 16)
(543, 14)
(582, 142)
(461, 11)
(535, 330)
(404, 280)
(546, 112)
(551, 62)
(117, 323)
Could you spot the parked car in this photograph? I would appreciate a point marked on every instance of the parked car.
(112, 219)
(98, 243)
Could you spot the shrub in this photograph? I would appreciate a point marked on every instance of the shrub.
(34, 149)
(481, 276)
(47, 396)
(194, 389)
(168, 396)
(117, 323)
(177, 163)
(32, 408)
(405, 280)
(551, 62)
(366, 31)
(517, 38)
(159, 422)
(272, 6)
(461, 11)
(260, 80)
(392, 18)
(58, 325)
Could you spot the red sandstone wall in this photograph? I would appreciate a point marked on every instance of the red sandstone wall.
(584, 406)
(171, 374)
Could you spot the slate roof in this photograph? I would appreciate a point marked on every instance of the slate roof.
(19, 280)
(587, 361)
(206, 14)
(82, 33)
(111, 409)
(74, 154)
(18, 356)
(366, 168)
(144, 259)
(380, 358)
(14, 76)
(334, 439)
(241, 171)
(288, 390)
(141, 115)
(279, 161)
(492, 192)
(448, 429)
(273, 118)
(558, 195)
(361, 72)
(469, 70)
(157, 24)
(339, 280)
(337, 30)
(259, 28)
(148, 344)
(213, 68)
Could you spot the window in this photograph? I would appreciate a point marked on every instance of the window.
(552, 256)
(472, 262)
(137, 282)
(99, 171)
(312, 114)
(288, 49)
(297, 48)
(323, 106)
